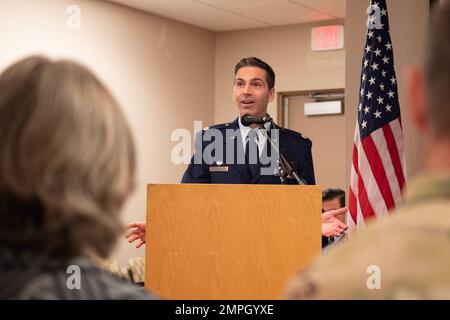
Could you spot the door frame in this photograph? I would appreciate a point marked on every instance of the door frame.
(281, 96)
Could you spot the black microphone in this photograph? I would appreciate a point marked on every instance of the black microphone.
(248, 120)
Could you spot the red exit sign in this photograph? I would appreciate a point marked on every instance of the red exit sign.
(327, 38)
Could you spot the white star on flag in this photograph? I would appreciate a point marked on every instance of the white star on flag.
(377, 114)
(380, 100)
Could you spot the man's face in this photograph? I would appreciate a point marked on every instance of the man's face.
(251, 91)
(333, 204)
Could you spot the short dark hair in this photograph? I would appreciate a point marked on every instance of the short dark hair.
(330, 194)
(437, 70)
(256, 62)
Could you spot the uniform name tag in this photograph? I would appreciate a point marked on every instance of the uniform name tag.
(218, 169)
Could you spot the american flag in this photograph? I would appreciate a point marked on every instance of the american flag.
(378, 168)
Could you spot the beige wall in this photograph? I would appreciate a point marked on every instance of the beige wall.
(287, 49)
(161, 71)
(408, 21)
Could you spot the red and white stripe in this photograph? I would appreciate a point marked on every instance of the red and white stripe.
(377, 176)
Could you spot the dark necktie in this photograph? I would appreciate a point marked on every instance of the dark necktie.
(252, 153)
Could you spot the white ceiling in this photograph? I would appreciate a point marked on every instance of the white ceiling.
(225, 15)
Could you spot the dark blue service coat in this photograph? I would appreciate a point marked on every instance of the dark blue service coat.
(227, 170)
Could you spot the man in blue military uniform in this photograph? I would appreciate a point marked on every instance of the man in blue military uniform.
(253, 89)
(240, 153)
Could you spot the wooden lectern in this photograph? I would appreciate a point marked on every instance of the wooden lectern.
(207, 241)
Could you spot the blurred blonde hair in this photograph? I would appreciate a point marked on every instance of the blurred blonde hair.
(67, 159)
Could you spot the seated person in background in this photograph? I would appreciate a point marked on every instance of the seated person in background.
(332, 199)
(67, 165)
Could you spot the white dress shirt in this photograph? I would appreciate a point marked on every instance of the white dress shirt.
(260, 141)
